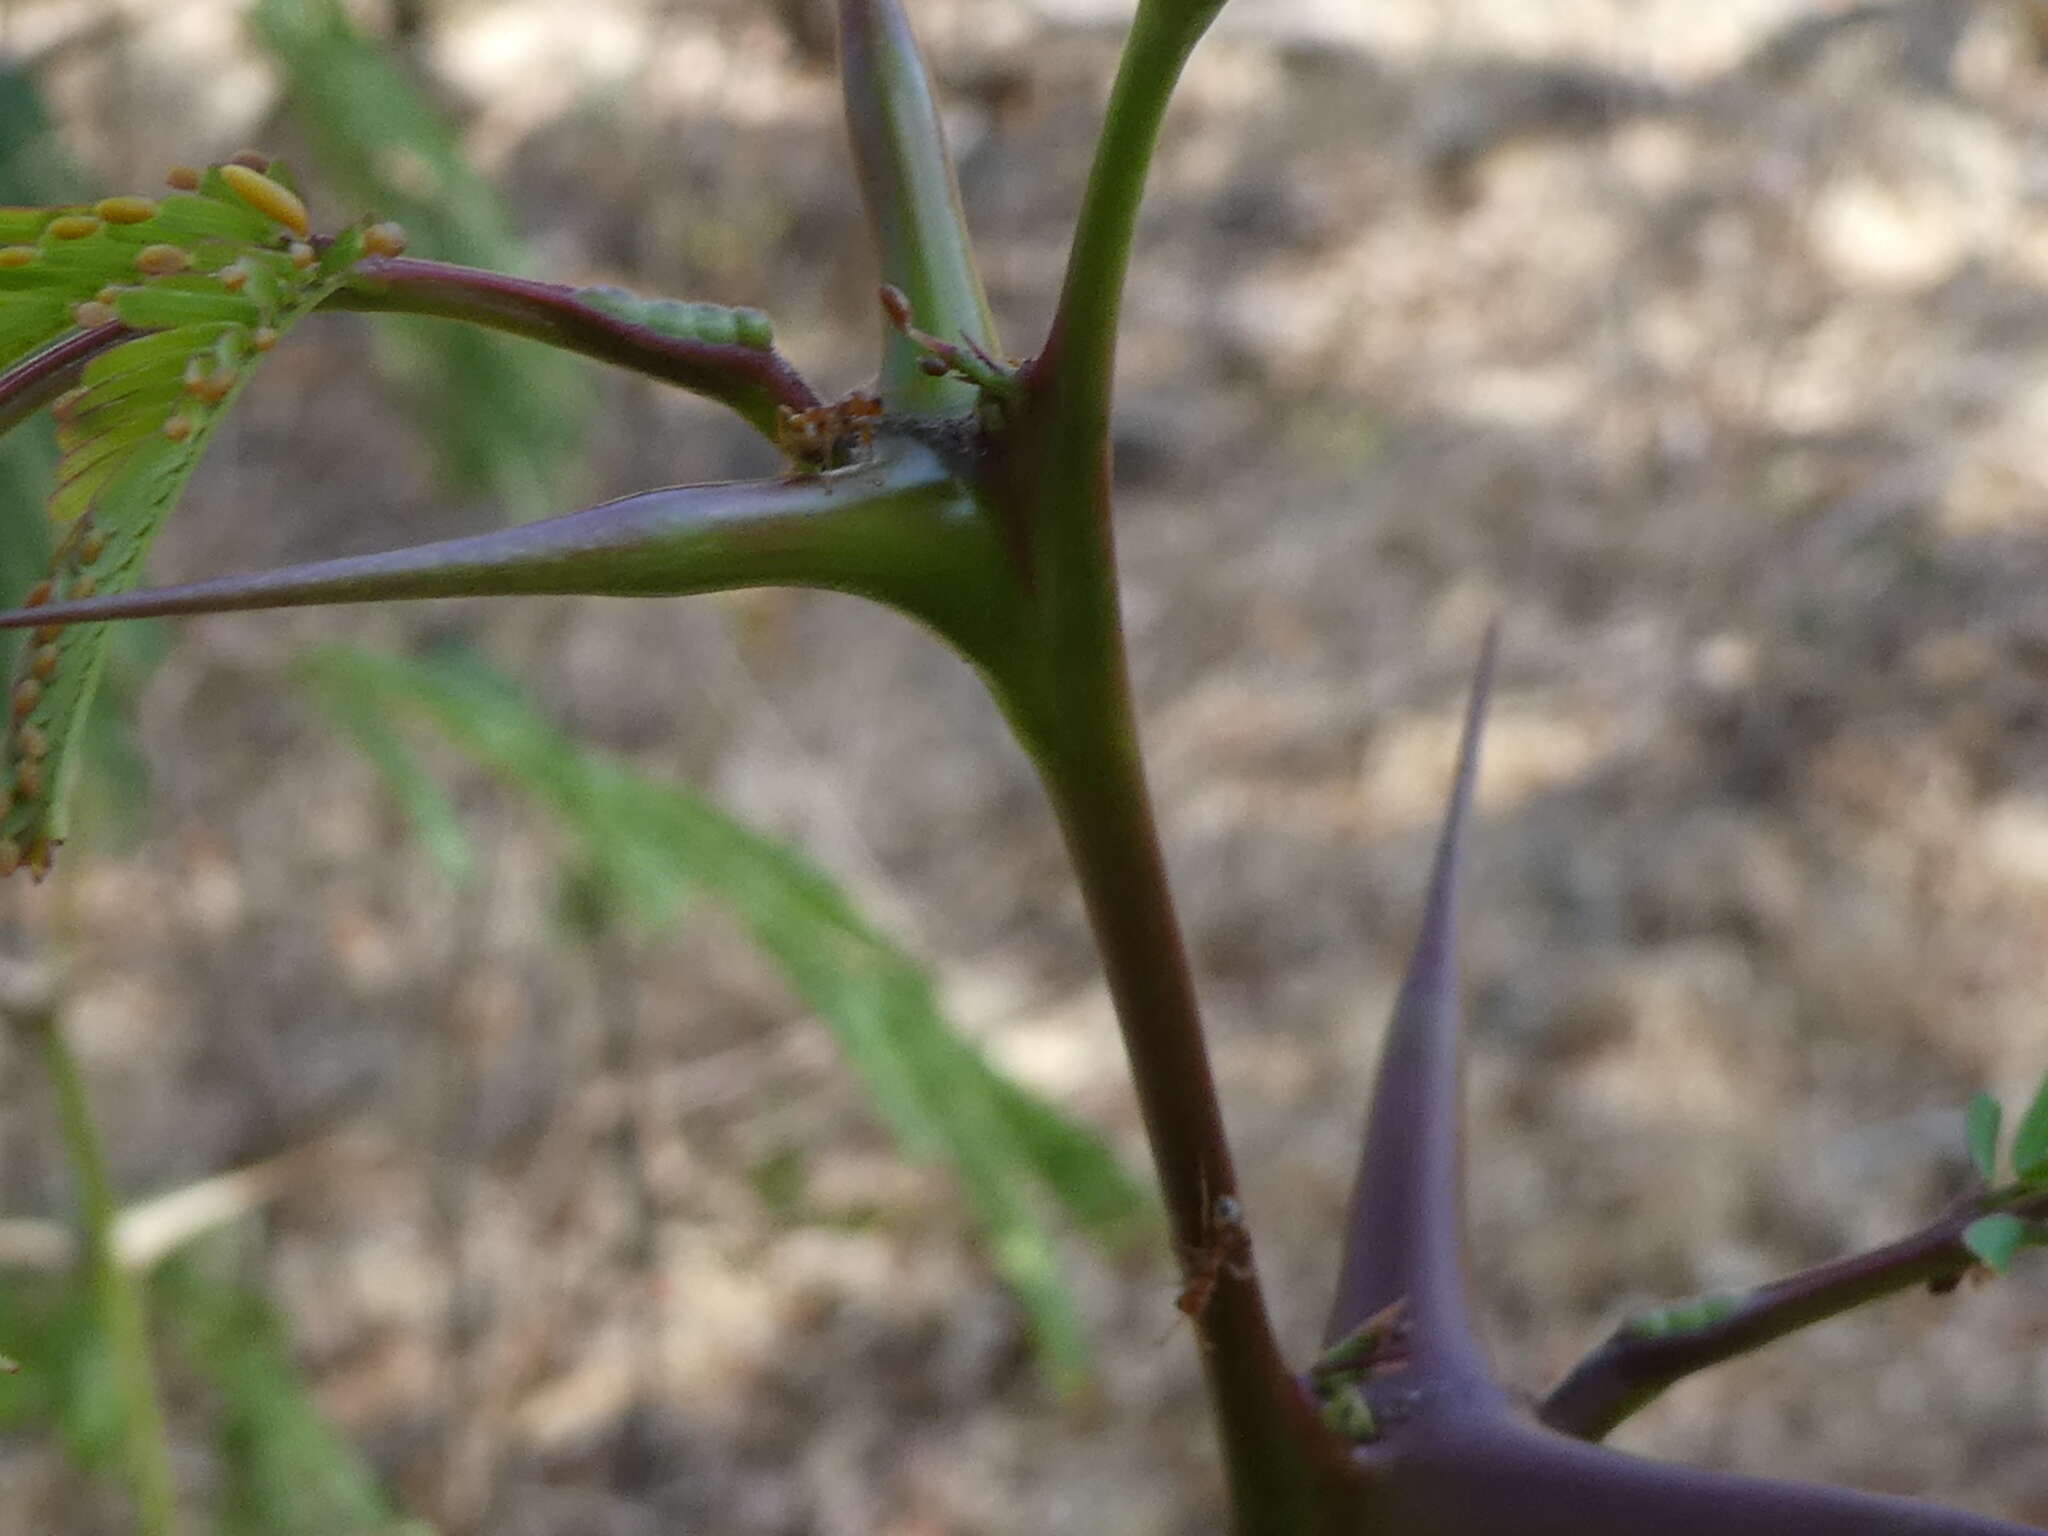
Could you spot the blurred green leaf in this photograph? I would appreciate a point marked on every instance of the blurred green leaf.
(418, 792)
(935, 1091)
(67, 1383)
(1995, 1239)
(1981, 1122)
(2030, 1138)
(505, 415)
(284, 1472)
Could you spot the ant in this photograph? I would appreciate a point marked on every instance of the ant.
(1226, 1248)
(827, 435)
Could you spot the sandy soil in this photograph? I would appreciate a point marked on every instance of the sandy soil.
(1704, 343)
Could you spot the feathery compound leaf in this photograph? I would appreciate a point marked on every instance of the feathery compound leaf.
(1981, 1120)
(282, 1468)
(213, 276)
(934, 1089)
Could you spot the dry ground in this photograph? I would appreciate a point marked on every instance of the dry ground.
(1707, 343)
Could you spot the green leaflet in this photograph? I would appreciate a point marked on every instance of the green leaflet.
(715, 324)
(2030, 1139)
(1995, 1239)
(1684, 1317)
(133, 429)
(1981, 1122)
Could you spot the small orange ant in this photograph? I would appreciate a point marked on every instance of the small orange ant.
(827, 435)
(1226, 1248)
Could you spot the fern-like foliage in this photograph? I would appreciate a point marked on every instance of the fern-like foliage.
(175, 299)
(648, 845)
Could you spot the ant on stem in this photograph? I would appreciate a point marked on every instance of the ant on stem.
(1226, 1248)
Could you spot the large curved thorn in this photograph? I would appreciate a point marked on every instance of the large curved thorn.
(1404, 1237)
(899, 529)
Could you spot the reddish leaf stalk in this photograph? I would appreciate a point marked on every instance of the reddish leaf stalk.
(38, 379)
(1629, 1369)
(750, 380)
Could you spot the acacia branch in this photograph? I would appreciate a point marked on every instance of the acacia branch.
(1631, 1367)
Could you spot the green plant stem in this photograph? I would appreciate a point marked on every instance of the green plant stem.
(1629, 1370)
(122, 1314)
(912, 201)
(1080, 354)
(1283, 1466)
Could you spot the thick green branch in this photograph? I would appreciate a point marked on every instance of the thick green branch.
(1079, 359)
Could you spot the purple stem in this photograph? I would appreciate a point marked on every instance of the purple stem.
(1489, 1474)
(1628, 1369)
(42, 376)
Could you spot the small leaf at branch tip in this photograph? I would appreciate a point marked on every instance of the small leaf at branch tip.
(1995, 1239)
(182, 178)
(126, 210)
(1981, 1120)
(386, 239)
(13, 256)
(161, 260)
(273, 199)
(72, 226)
(2030, 1137)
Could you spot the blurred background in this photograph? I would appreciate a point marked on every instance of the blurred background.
(1708, 344)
